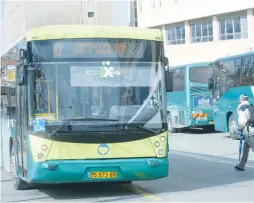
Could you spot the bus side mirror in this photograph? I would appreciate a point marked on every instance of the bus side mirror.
(22, 54)
(10, 111)
(210, 83)
(21, 75)
(165, 61)
(169, 81)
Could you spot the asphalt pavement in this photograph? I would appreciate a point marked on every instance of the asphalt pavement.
(201, 169)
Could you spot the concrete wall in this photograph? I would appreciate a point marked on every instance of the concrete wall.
(14, 22)
(51, 13)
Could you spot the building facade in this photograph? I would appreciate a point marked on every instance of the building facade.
(200, 30)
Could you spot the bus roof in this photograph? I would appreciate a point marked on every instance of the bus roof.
(200, 64)
(93, 31)
(235, 56)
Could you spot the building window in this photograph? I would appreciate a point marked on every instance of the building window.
(90, 14)
(202, 32)
(234, 28)
(176, 35)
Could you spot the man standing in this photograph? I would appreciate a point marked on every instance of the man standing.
(245, 125)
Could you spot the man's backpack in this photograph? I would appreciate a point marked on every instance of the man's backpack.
(250, 121)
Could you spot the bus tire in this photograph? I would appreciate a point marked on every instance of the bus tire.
(232, 127)
(170, 128)
(18, 183)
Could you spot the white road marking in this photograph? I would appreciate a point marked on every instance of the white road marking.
(208, 158)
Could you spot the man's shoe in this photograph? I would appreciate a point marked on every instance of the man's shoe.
(237, 167)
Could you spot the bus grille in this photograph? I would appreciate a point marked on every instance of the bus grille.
(198, 89)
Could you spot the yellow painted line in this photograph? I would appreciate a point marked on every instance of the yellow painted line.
(142, 192)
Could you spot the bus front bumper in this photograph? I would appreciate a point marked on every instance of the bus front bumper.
(76, 171)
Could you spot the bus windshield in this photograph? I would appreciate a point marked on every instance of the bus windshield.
(116, 80)
(110, 79)
(200, 74)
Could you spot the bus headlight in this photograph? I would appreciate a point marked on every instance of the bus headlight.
(163, 138)
(156, 144)
(40, 156)
(44, 147)
(160, 152)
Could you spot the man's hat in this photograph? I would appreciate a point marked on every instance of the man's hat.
(243, 97)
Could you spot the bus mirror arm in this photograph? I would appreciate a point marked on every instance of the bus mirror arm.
(22, 54)
(21, 75)
(165, 61)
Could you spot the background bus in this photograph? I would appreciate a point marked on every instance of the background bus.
(88, 98)
(190, 102)
(233, 76)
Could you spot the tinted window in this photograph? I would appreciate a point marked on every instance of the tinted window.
(178, 80)
(200, 74)
(252, 59)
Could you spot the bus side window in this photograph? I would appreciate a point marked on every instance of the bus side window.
(252, 60)
(252, 67)
(227, 78)
(246, 79)
(238, 63)
(178, 79)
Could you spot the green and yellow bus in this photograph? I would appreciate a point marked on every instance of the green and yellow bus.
(90, 106)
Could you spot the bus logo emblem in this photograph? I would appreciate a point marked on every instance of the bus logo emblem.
(103, 149)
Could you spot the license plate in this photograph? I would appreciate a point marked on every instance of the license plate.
(202, 119)
(102, 175)
(211, 122)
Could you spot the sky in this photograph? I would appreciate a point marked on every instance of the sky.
(121, 16)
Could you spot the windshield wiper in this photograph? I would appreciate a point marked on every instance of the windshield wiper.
(125, 127)
(79, 119)
(141, 127)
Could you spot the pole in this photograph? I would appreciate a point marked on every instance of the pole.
(81, 7)
(1, 126)
(95, 12)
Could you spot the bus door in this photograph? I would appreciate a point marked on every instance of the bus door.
(21, 131)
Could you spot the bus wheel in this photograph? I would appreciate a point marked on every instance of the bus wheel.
(232, 128)
(170, 128)
(18, 183)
